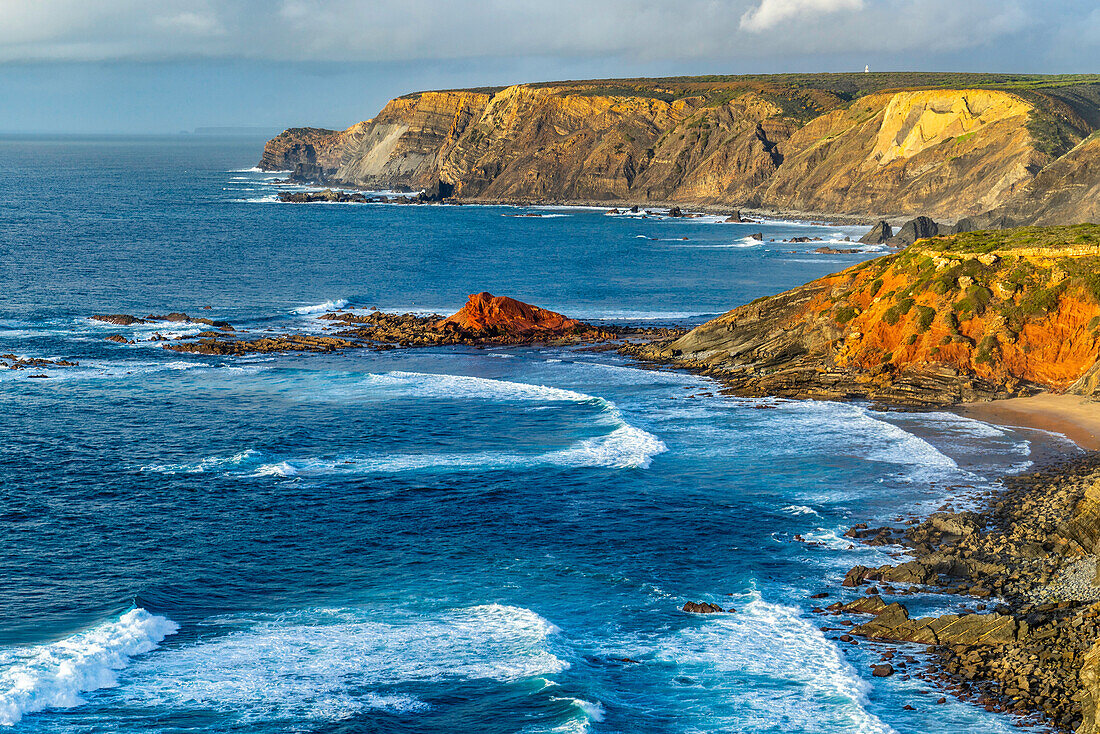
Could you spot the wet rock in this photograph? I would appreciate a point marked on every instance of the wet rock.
(702, 608)
(885, 670)
(119, 319)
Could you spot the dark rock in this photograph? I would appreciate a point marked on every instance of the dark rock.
(885, 670)
(837, 251)
(913, 230)
(437, 192)
(119, 319)
(982, 222)
(757, 236)
(735, 218)
(675, 212)
(118, 338)
(702, 608)
(879, 234)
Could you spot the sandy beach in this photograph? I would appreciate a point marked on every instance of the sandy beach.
(1077, 417)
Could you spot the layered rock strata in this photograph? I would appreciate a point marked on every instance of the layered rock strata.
(945, 146)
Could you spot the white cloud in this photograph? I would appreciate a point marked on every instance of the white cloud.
(199, 24)
(715, 33)
(771, 13)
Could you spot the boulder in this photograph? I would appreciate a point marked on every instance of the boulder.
(882, 671)
(675, 212)
(119, 319)
(757, 236)
(879, 234)
(734, 218)
(702, 608)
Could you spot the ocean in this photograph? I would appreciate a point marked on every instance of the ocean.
(426, 540)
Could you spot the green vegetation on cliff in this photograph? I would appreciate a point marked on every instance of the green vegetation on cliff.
(945, 145)
(974, 316)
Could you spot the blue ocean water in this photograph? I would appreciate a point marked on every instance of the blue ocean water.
(430, 540)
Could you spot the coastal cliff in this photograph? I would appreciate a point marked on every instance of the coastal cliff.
(947, 145)
(974, 316)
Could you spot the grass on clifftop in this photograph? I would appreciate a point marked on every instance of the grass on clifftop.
(1006, 240)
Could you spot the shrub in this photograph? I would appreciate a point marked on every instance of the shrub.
(846, 313)
(925, 316)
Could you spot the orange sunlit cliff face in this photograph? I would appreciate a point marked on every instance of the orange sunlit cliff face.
(974, 316)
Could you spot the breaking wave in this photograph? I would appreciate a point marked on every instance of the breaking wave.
(322, 307)
(331, 664)
(55, 675)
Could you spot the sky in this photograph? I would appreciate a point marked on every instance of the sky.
(134, 66)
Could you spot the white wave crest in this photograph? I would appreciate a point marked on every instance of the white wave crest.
(772, 646)
(322, 307)
(205, 465)
(799, 510)
(55, 675)
(314, 665)
(625, 446)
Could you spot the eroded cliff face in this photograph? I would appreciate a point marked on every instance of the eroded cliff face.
(945, 153)
(975, 316)
(817, 147)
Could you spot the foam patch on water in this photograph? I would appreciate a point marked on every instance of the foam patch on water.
(779, 670)
(56, 675)
(863, 433)
(333, 305)
(208, 464)
(331, 664)
(797, 510)
(624, 446)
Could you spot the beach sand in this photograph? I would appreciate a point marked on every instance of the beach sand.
(1077, 417)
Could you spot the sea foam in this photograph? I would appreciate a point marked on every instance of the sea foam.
(624, 446)
(762, 649)
(331, 664)
(55, 675)
(322, 307)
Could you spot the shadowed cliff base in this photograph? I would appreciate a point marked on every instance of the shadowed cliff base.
(871, 145)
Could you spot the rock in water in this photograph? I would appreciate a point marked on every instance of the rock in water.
(702, 608)
(913, 230)
(491, 314)
(734, 218)
(879, 234)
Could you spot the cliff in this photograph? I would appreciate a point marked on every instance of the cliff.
(974, 316)
(945, 145)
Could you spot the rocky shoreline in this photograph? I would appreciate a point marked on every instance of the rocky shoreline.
(485, 320)
(1027, 638)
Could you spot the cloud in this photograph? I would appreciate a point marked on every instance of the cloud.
(771, 13)
(712, 34)
(200, 24)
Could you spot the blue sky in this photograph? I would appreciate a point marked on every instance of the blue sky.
(131, 66)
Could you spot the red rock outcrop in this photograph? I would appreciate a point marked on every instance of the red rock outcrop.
(488, 314)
